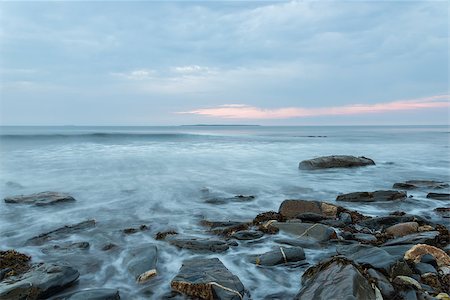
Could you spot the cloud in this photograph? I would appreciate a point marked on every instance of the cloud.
(240, 111)
(139, 74)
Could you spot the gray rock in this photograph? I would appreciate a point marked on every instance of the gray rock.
(335, 161)
(282, 255)
(383, 284)
(380, 223)
(247, 235)
(291, 209)
(61, 232)
(304, 243)
(199, 245)
(336, 278)
(141, 262)
(423, 268)
(40, 281)
(364, 237)
(91, 294)
(238, 198)
(416, 184)
(40, 199)
(426, 237)
(376, 196)
(317, 232)
(207, 279)
(346, 218)
(67, 247)
(438, 196)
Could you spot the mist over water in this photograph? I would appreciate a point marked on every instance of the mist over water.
(127, 176)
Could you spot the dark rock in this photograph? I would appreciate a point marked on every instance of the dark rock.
(162, 235)
(364, 237)
(225, 228)
(304, 243)
(335, 161)
(376, 196)
(268, 216)
(13, 263)
(380, 223)
(383, 284)
(282, 255)
(317, 232)
(346, 218)
(406, 281)
(247, 235)
(426, 237)
(416, 184)
(400, 268)
(422, 268)
(207, 279)
(61, 232)
(67, 247)
(290, 209)
(438, 196)
(40, 281)
(40, 199)
(429, 259)
(91, 294)
(443, 211)
(337, 278)
(200, 245)
(310, 217)
(141, 262)
(134, 230)
(238, 198)
(109, 246)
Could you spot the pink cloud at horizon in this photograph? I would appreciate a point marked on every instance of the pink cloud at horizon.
(242, 111)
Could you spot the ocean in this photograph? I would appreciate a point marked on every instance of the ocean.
(158, 176)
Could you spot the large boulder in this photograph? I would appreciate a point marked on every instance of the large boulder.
(61, 232)
(40, 281)
(40, 199)
(198, 244)
(337, 278)
(376, 196)
(292, 209)
(282, 255)
(317, 232)
(418, 184)
(207, 279)
(141, 262)
(335, 161)
(91, 294)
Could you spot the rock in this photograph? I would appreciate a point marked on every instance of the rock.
(61, 232)
(310, 217)
(402, 229)
(14, 263)
(335, 161)
(282, 255)
(225, 228)
(40, 199)
(383, 284)
(406, 281)
(318, 232)
(337, 278)
(380, 223)
(67, 247)
(162, 235)
(304, 243)
(247, 235)
(438, 196)
(40, 281)
(268, 216)
(132, 230)
(207, 279)
(346, 218)
(376, 196)
(141, 262)
(364, 237)
(238, 198)
(443, 211)
(429, 259)
(200, 245)
(417, 251)
(91, 294)
(416, 184)
(291, 209)
(443, 296)
(415, 238)
(423, 268)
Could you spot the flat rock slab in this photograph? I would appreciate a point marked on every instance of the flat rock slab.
(238, 198)
(318, 232)
(141, 262)
(207, 279)
(282, 255)
(335, 161)
(335, 279)
(414, 238)
(61, 232)
(200, 245)
(379, 223)
(91, 294)
(292, 208)
(438, 196)
(40, 281)
(247, 235)
(420, 184)
(377, 196)
(40, 199)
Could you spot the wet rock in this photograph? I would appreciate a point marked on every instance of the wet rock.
(40, 199)
(377, 196)
(304, 243)
(268, 216)
(402, 229)
(200, 245)
(238, 198)
(225, 228)
(310, 217)
(380, 223)
(426, 237)
(423, 268)
(364, 237)
(337, 278)
(281, 255)
(416, 253)
(109, 246)
(406, 281)
(67, 247)
(416, 184)
(429, 259)
(335, 161)
(346, 218)
(162, 235)
(40, 281)
(61, 232)
(134, 230)
(383, 284)
(141, 262)
(247, 235)
(91, 294)
(438, 196)
(318, 232)
(443, 211)
(291, 209)
(207, 279)
(13, 262)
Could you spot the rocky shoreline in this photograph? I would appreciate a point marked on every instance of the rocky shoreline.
(393, 256)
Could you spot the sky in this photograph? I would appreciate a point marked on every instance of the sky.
(224, 62)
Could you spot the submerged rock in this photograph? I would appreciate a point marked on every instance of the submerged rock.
(416, 184)
(438, 196)
(67, 247)
(238, 198)
(40, 281)
(335, 161)
(207, 279)
(61, 232)
(227, 228)
(200, 245)
(282, 255)
(141, 262)
(247, 235)
(337, 278)
(317, 231)
(291, 209)
(91, 294)
(376, 196)
(40, 199)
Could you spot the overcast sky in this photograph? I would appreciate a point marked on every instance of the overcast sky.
(274, 63)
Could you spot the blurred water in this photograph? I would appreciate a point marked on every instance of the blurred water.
(127, 176)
